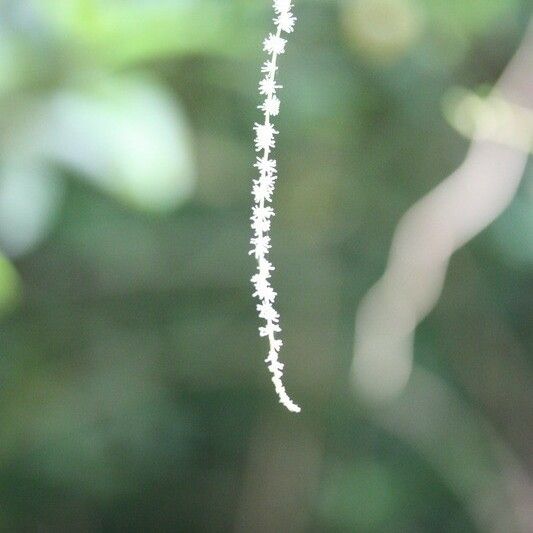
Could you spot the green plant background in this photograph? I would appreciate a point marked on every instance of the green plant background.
(134, 395)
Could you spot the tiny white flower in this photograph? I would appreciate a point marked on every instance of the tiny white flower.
(285, 21)
(264, 139)
(262, 191)
(281, 6)
(267, 185)
(267, 179)
(261, 225)
(268, 86)
(271, 105)
(262, 212)
(276, 345)
(274, 44)
(265, 267)
(269, 329)
(267, 312)
(269, 67)
(265, 292)
(261, 245)
(260, 282)
(265, 165)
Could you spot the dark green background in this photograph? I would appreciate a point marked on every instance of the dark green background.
(134, 396)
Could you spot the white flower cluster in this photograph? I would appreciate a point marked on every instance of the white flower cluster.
(263, 188)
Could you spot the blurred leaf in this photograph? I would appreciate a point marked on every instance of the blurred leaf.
(385, 30)
(126, 135)
(359, 497)
(468, 17)
(114, 33)
(382, 30)
(11, 59)
(101, 433)
(10, 286)
(30, 197)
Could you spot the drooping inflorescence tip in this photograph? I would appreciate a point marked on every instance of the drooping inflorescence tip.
(262, 190)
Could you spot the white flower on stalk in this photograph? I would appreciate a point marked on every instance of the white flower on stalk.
(269, 67)
(285, 21)
(274, 44)
(271, 105)
(262, 190)
(261, 225)
(267, 180)
(268, 86)
(267, 166)
(261, 245)
(264, 291)
(269, 329)
(276, 345)
(267, 312)
(282, 6)
(264, 136)
(276, 368)
(264, 212)
(264, 268)
(260, 284)
(264, 187)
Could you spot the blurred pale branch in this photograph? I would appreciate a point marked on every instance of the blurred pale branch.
(427, 236)
(463, 447)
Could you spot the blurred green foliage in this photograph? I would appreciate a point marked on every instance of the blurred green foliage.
(134, 395)
(9, 285)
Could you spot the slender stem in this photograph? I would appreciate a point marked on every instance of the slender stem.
(275, 46)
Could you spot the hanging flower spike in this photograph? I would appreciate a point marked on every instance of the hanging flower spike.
(262, 191)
